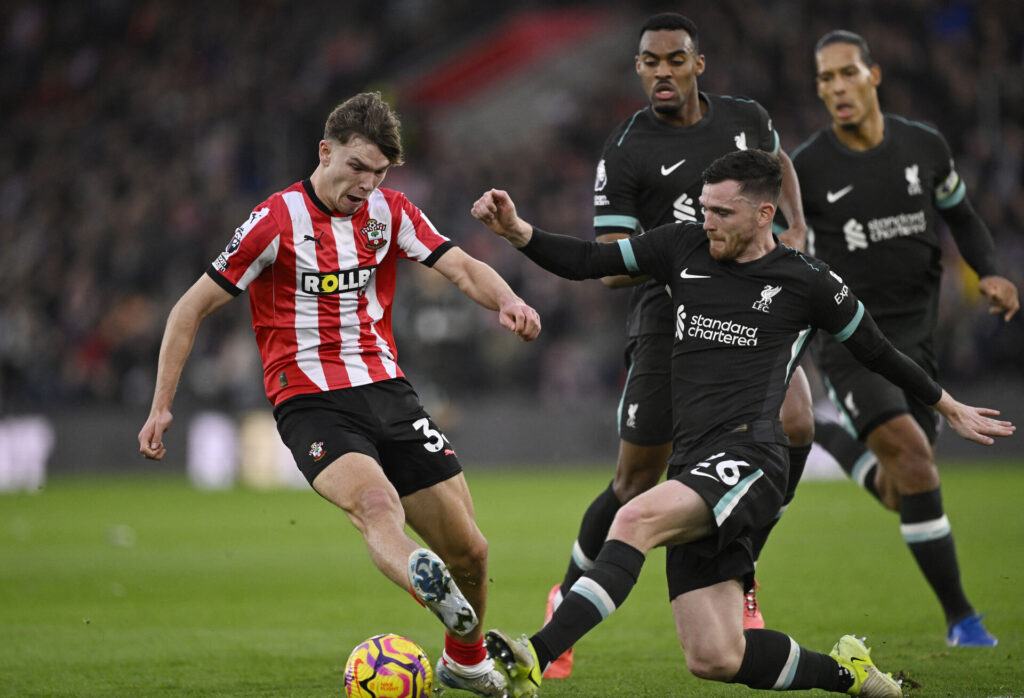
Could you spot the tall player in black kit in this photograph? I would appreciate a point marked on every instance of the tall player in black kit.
(650, 175)
(745, 308)
(873, 188)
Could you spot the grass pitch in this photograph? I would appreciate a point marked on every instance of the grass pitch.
(113, 587)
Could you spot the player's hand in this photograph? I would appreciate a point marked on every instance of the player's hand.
(795, 237)
(523, 320)
(151, 438)
(497, 211)
(973, 423)
(1001, 294)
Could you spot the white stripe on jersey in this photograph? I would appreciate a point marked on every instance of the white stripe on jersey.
(794, 351)
(348, 304)
(307, 332)
(409, 242)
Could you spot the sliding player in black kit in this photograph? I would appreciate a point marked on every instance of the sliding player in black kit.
(650, 175)
(745, 308)
(874, 186)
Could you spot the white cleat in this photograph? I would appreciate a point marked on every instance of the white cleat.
(483, 679)
(433, 585)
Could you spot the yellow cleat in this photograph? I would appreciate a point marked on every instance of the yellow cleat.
(868, 680)
(517, 660)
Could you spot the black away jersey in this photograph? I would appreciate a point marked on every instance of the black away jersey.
(650, 175)
(871, 215)
(740, 328)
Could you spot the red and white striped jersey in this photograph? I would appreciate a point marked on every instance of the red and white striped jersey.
(321, 286)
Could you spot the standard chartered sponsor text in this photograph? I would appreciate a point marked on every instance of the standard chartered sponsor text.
(897, 226)
(722, 331)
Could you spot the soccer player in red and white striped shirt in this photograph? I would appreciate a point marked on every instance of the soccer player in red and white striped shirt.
(319, 260)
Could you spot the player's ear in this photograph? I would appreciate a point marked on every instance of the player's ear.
(325, 152)
(699, 64)
(636, 63)
(876, 75)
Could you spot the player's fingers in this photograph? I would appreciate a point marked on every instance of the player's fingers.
(507, 320)
(996, 427)
(1011, 310)
(533, 325)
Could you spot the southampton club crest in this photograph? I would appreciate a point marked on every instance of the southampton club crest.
(373, 231)
(767, 294)
(316, 450)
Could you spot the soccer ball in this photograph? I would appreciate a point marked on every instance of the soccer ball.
(388, 666)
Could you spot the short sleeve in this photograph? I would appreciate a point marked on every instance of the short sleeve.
(251, 249)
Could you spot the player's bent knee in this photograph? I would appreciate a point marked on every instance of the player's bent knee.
(914, 470)
(375, 504)
(800, 431)
(628, 521)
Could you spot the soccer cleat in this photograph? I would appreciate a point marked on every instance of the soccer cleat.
(561, 667)
(752, 618)
(970, 633)
(486, 681)
(868, 680)
(517, 660)
(433, 585)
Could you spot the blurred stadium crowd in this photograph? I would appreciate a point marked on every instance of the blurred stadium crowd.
(138, 135)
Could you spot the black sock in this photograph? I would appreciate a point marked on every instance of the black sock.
(927, 532)
(853, 456)
(592, 599)
(774, 661)
(797, 462)
(593, 530)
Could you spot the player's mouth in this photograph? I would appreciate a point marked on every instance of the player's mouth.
(844, 110)
(664, 90)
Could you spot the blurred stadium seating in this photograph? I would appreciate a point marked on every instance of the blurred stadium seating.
(137, 136)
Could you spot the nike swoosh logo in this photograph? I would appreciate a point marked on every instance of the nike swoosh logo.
(666, 171)
(685, 274)
(834, 196)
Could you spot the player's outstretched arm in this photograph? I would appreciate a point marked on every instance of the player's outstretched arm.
(871, 348)
(497, 211)
(203, 298)
(1001, 294)
(973, 423)
(485, 286)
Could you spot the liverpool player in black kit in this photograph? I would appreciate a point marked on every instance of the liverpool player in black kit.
(649, 175)
(745, 308)
(873, 188)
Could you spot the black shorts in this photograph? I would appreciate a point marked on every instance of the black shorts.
(645, 410)
(383, 420)
(864, 399)
(744, 484)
